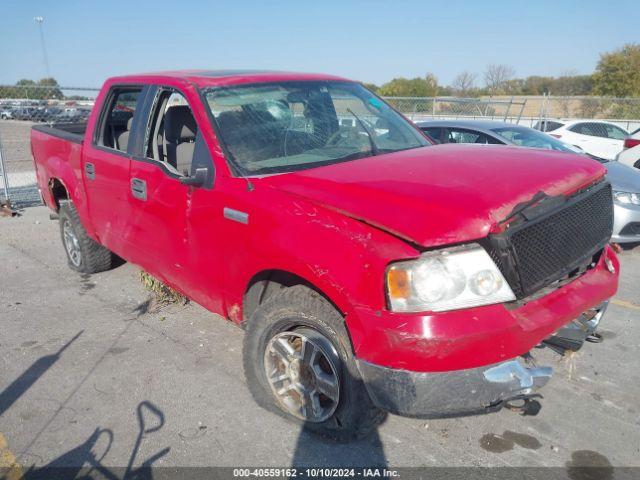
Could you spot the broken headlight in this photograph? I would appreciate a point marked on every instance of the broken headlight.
(446, 279)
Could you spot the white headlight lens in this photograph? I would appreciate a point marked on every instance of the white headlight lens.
(485, 283)
(448, 279)
(627, 198)
(435, 279)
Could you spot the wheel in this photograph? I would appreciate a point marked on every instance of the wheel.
(637, 164)
(298, 363)
(83, 253)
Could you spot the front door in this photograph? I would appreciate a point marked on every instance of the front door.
(161, 205)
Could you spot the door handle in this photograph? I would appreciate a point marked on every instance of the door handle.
(139, 188)
(90, 171)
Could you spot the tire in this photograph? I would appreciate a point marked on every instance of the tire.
(91, 256)
(301, 312)
(637, 164)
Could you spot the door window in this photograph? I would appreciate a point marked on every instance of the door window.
(434, 133)
(591, 129)
(116, 122)
(459, 135)
(172, 131)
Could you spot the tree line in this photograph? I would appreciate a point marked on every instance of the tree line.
(617, 74)
(43, 89)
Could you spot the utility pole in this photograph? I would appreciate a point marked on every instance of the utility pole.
(40, 21)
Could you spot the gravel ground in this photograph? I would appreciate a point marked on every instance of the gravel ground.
(83, 361)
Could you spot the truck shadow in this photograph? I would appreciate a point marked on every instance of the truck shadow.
(313, 451)
(30, 376)
(86, 459)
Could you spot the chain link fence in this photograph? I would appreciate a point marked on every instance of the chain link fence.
(22, 106)
(420, 108)
(523, 110)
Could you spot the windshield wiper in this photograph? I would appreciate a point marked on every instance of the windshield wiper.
(374, 147)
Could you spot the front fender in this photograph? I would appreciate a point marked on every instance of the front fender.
(343, 258)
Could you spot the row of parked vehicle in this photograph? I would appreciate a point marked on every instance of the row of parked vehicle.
(54, 114)
(563, 137)
(604, 140)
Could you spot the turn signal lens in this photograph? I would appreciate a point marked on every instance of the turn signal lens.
(398, 283)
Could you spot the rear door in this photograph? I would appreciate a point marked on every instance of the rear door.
(106, 164)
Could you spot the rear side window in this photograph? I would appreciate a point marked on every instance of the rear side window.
(615, 133)
(591, 129)
(115, 124)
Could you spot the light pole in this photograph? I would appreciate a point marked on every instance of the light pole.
(40, 21)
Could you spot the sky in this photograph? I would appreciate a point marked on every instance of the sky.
(88, 41)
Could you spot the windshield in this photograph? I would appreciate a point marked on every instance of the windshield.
(289, 126)
(527, 137)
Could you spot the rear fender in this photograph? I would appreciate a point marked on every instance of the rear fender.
(65, 174)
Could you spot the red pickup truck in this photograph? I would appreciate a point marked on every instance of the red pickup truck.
(371, 270)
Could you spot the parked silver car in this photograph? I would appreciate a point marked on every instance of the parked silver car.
(625, 180)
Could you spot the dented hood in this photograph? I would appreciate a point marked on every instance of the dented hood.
(441, 194)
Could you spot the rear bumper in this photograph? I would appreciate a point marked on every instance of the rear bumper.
(451, 394)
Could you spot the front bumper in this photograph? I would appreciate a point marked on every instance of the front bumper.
(573, 335)
(475, 390)
(451, 394)
(480, 336)
(626, 218)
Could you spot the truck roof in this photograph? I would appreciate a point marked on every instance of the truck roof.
(210, 78)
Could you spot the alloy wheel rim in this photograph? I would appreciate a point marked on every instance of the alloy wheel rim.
(72, 244)
(302, 375)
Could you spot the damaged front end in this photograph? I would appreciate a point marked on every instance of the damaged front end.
(572, 336)
(452, 394)
(511, 384)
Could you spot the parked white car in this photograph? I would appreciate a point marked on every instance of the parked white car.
(631, 153)
(600, 139)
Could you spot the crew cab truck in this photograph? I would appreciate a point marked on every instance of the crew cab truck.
(371, 271)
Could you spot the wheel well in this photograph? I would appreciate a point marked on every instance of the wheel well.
(266, 284)
(58, 191)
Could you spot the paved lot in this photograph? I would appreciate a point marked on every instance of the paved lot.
(84, 367)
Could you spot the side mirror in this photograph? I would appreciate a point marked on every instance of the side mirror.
(196, 180)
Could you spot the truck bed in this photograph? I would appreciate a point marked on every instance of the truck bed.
(57, 156)
(73, 132)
